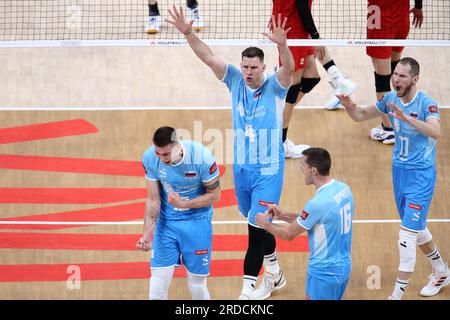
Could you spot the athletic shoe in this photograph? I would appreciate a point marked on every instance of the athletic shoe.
(383, 134)
(269, 284)
(436, 283)
(198, 20)
(244, 296)
(292, 150)
(339, 86)
(153, 25)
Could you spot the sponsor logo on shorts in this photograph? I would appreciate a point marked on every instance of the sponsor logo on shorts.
(264, 203)
(190, 174)
(433, 109)
(199, 252)
(415, 206)
(213, 168)
(304, 215)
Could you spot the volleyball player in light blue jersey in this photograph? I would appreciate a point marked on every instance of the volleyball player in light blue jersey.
(327, 218)
(257, 104)
(415, 119)
(182, 183)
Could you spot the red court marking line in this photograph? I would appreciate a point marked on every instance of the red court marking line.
(76, 165)
(103, 271)
(127, 212)
(227, 199)
(70, 195)
(73, 241)
(46, 131)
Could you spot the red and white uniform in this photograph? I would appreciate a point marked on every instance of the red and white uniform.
(288, 9)
(394, 24)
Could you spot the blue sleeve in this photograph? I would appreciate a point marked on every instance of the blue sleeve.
(148, 163)
(310, 215)
(232, 76)
(279, 90)
(382, 104)
(209, 169)
(431, 108)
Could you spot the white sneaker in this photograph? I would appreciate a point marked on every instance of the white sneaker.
(244, 296)
(269, 284)
(436, 283)
(339, 86)
(153, 25)
(198, 19)
(292, 150)
(380, 134)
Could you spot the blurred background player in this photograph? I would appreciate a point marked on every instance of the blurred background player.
(388, 19)
(154, 18)
(182, 184)
(415, 118)
(306, 76)
(327, 218)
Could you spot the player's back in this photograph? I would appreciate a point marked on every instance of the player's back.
(331, 236)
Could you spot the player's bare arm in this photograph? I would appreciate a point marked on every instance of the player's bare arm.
(212, 195)
(152, 208)
(358, 113)
(278, 36)
(217, 65)
(430, 128)
(281, 231)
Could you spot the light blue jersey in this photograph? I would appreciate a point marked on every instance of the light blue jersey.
(328, 218)
(413, 149)
(257, 121)
(186, 178)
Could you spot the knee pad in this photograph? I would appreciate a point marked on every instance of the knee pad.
(424, 236)
(407, 249)
(197, 287)
(308, 84)
(160, 282)
(382, 82)
(292, 93)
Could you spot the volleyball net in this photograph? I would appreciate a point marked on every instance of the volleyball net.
(227, 22)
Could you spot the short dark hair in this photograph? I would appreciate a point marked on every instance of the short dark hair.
(252, 52)
(415, 67)
(318, 158)
(164, 136)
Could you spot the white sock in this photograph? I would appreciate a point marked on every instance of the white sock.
(334, 73)
(271, 263)
(399, 290)
(436, 260)
(249, 284)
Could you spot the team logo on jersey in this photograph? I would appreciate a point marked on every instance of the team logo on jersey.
(413, 114)
(199, 252)
(264, 203)
(304, 215)
(213, 168)
(415, 206)
(433, 109)
(190, 174)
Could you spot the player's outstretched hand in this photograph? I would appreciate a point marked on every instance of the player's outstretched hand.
(417, 17)
(396, 112)
(179, 21)
(278, 35)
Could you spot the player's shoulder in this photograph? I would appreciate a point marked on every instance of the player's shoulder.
(425, 98)
(149, 156)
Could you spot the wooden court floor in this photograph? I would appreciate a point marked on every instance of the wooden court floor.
(83, 165)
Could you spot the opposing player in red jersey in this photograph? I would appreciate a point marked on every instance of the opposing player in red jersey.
(306, 76)
(387, 19)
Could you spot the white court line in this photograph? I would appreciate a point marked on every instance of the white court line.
(141, 222)
(149, 108)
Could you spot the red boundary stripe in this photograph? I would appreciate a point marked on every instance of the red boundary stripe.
(70, 195)
(46, 131)
(73, 241)
(103, 271)
(76, 165)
